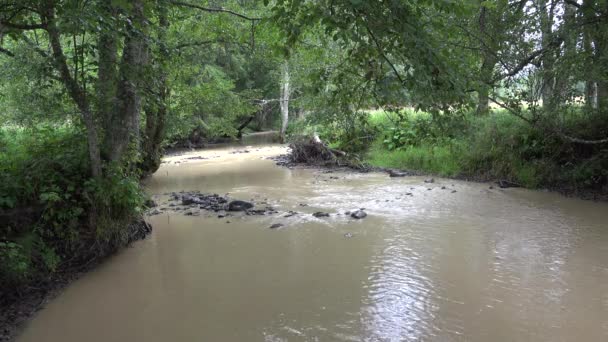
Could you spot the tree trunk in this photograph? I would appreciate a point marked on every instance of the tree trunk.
(156, 108)
(483, 94)
(568, 29)
(590, 85)
(126, 117)
(284, 101)
(548, 60)
(107, 75)
(487, 25)
(75, 91)
(601, 56)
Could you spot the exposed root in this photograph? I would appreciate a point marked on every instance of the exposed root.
(312, 151)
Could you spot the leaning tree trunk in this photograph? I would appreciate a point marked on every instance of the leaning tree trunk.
(284, 101)
(75, 91)
(125, 123)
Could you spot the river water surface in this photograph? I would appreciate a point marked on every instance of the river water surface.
(477, 264)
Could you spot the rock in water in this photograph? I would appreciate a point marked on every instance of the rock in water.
(188, 200)
(150, 203)
(393, 173)
(276, 225)
(320, 214)
(239, 206)
(430, 180)
(359, 214)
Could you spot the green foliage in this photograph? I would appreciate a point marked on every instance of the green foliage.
(501, 146)
(44, 172)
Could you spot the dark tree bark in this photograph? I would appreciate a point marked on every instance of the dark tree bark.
(107, 75)
(124, 128)
(156, 108)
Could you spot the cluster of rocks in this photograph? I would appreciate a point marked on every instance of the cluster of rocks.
(193, 201)
(283, 160)
(240, 152)
(356, 214)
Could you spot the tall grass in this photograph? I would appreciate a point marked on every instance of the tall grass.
(501, 146)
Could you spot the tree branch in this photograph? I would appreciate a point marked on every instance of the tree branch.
(6, 52)
(381, 51)
(203, 42)
(555, 130)
(215, 10)
(22, 26)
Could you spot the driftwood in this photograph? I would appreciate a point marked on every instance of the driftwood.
(311, 150)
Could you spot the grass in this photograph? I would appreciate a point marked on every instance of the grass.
(497, 146)
(439, 160)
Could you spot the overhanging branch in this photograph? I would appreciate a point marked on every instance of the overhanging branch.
(21, 26)
(215, 10)
(6, 52)
(517, 112)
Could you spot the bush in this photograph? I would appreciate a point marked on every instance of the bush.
(50, 210)
(497, 146)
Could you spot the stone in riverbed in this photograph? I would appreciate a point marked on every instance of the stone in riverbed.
(189, 200)
(150, 203)
(430, 180)
(359, 214)
(320, 214)
(276, 225)
(154, 212)
(290, 214)
(238, 205)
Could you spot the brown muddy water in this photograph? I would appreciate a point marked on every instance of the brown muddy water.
(478, 264)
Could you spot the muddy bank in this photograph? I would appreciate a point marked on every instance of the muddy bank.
(20, 306)
(182, 146)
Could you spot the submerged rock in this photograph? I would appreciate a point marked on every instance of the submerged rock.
(430, 180)
(291, 213)
(154, 212)
(320, 214)
(150, 203)
(189, 200)
(359, 214)
(238, 205)
(276, 225)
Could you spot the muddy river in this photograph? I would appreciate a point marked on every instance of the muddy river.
(462, 263)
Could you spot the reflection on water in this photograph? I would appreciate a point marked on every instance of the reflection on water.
(477, 264)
